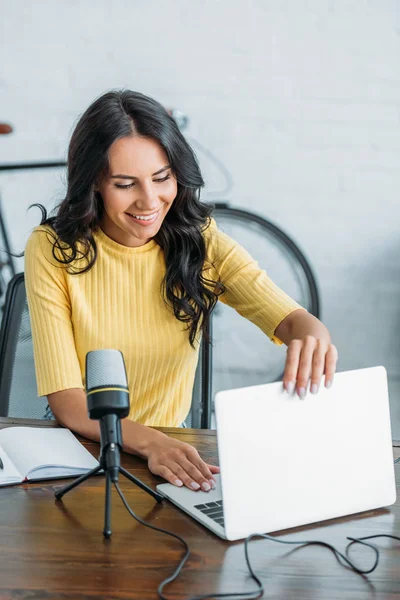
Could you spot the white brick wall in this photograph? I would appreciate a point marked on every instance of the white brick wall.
(300, 100)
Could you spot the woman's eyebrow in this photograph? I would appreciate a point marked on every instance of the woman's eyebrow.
(132, 177)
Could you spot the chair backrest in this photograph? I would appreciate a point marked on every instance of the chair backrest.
(199, 416)
(18, 391)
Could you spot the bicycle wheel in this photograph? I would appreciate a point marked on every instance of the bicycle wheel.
(242, 353)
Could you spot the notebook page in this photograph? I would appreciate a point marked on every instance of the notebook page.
(9, 473)
(32, 447)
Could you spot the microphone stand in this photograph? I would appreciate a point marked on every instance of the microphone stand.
(109, 461)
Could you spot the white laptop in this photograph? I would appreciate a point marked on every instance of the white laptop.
(287, 462)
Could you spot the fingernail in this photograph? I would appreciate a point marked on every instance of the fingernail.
(195, 485)
(290, 387)
(314, 388)
(302, 393)
(212, 483)
(206, 486)
(178, 482)
(328, 383)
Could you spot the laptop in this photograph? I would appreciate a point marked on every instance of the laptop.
(287, 462)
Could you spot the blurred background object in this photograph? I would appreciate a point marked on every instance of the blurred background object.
(5, 128)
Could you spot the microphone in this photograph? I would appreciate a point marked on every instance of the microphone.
(108, 402)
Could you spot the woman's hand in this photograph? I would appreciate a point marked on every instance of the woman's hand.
(180, 464)
(309, 358)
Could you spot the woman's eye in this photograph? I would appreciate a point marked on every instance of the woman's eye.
(163, 179)
(124, 187)
(129, 185)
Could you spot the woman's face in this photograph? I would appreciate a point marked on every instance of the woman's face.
(140, 184)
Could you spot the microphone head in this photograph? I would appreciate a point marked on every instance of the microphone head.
(106, 384)
(105, 368)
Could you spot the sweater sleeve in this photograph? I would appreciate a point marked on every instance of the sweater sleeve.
(248, 289)
(56, 361)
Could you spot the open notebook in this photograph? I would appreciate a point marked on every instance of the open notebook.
(31, 453)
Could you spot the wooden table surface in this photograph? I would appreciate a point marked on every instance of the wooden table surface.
(56, 550)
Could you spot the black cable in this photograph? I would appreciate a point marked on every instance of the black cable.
(260, 591)
(370, 537)
(184, 559)
(316, 543)
(175, 574)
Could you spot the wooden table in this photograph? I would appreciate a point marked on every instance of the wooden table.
(56, 550)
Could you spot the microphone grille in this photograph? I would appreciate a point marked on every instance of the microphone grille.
(105, 368)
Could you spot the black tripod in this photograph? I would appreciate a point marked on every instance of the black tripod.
(110, 462)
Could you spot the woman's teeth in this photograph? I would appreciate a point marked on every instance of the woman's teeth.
(144, 219)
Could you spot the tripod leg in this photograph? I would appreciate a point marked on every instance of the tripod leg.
(70, 486)
(107, 514)
(142, 485)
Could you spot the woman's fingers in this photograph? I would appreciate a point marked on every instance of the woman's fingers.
(191, 476)
(330, 365)
(166, 473)
(188, 476)
(307, 360)
(305, 364)
(214, 469)
(318, 365)
(292, 365)
(181, 464)
(195, 465)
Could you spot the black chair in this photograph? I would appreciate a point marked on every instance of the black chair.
(18, 391)
(199, 416)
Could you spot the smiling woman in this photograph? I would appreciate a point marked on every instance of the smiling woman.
(131, 259)
(134, 212)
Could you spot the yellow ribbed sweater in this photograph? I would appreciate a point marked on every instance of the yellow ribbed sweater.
(118, 304)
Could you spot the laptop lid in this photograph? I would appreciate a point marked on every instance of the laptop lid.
(287, 462)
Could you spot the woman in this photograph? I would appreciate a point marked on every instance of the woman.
(132, 260)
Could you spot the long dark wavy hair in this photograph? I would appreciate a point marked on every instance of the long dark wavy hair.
(112, 116)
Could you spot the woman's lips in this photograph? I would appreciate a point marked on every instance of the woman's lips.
(143, 222)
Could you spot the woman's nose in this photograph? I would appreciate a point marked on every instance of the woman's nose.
(148, 198)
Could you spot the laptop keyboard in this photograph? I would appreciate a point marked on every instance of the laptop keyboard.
(214, 510)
